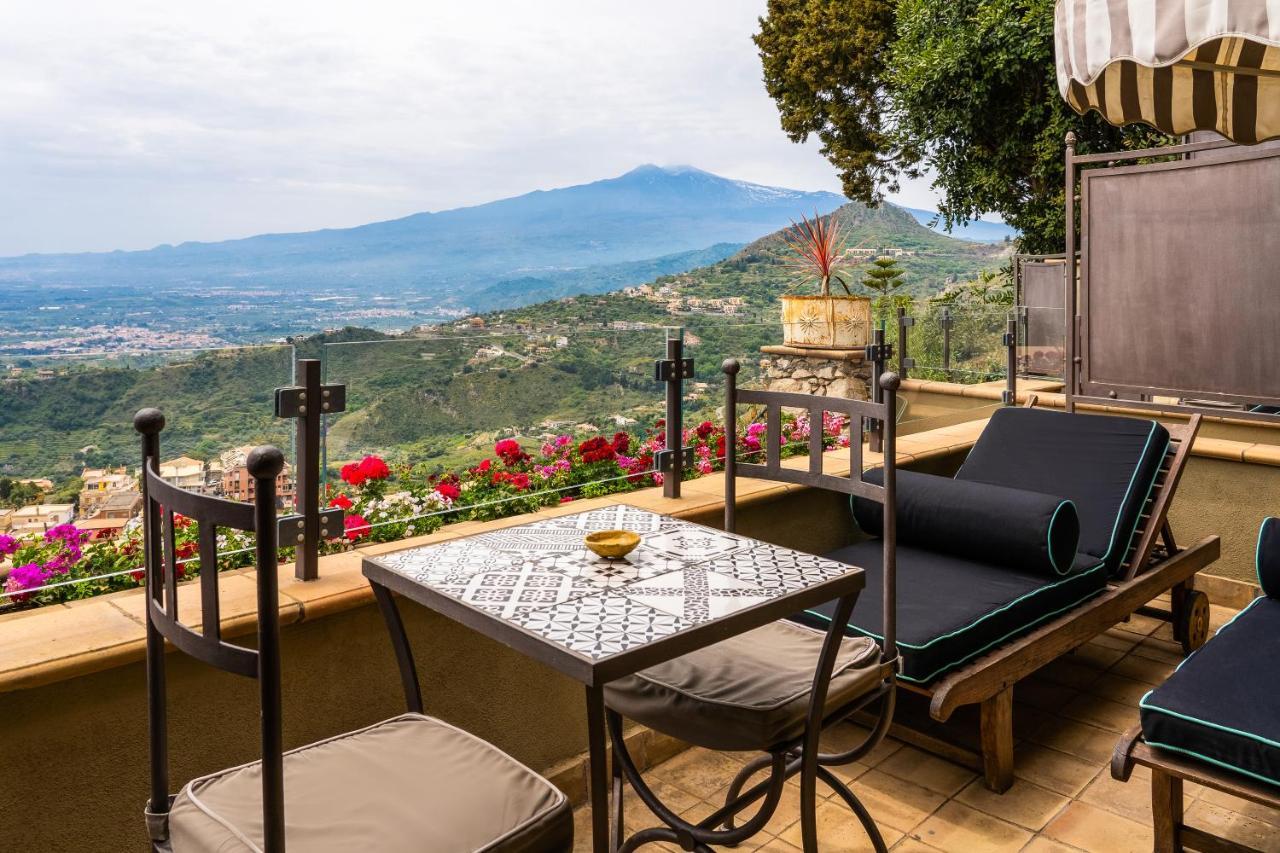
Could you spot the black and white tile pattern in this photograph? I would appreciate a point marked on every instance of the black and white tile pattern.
(541, 576)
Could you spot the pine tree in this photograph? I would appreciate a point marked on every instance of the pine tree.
(883, 276)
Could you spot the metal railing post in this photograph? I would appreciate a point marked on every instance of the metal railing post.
(905, 363)
(307, 402)
(1010, 393)
(878, 353)
(675, 457)
(946, 338)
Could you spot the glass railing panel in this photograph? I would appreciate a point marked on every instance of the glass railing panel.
(471, 425)
(70, 493)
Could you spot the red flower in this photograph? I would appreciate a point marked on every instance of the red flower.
(185, 550)
(510, 452)
(567, 499)
(720, 445)
(484, 466)
(356, 526)
(520, 481)
(352, 474)
(449, 490)
(341, 502)
(705, 429)
(373, 468)
(621, 442)
(596, 450)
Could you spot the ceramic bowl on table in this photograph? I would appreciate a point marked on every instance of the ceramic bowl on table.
(612, 544)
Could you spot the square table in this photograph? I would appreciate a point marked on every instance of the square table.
(537, 589)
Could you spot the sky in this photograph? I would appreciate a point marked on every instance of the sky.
(130, 124)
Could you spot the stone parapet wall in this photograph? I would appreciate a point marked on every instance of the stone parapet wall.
(827, 373)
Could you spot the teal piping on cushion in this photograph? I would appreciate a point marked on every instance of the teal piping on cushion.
(981, 619)
(1049, 538)
(1132, 479)
(1257, 552)
(1144, 704)
(1216, 761)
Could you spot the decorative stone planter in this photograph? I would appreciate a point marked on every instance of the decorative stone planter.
(827, 373)
(826, 322)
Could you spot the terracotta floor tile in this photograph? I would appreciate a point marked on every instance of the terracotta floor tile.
(1116, 639)
(1102, 713)
(1117, 688)
(1043, 694)
(1160, 650)
(1143, 669)
(636, 814)
(1025, 804)
(1130, 799)
(787, 812)
(956, 826)
(1092, 828)
(1244, 807)
(777, 845)
(1070, 673)
(698, 771)
(1098, 655)
(1075, 738)
(1040, 844)
(1233, 825)
(914, 845)
(893, 801)
(839, 831)
(1054, 770)
(927, 771)
(1139, 624)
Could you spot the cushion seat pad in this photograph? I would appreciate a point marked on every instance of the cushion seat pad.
(1222, 704)
(411, 783)
(950, 610)
(749, 692)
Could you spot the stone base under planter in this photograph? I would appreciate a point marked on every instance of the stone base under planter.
(828, 373)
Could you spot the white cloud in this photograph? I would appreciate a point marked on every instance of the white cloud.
(136, 123)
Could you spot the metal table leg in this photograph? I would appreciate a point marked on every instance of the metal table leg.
(599, 786)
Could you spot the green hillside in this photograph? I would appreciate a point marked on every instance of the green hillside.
(444, 393)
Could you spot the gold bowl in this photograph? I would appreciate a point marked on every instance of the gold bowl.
(613, 544)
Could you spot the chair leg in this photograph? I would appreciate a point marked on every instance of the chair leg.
(855, 805)
(997, 740)
(1166, 811)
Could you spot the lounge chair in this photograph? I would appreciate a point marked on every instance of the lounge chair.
(1216, 720)
(993, 585)
(409, 783)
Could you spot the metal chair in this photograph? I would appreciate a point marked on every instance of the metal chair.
(727, 694)
(409, 783)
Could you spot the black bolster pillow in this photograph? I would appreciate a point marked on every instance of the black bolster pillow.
(982, 522)
(1268, 557)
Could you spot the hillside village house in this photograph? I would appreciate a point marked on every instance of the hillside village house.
(100, 484)
(184, 472)
(238, 485)
(37, 518)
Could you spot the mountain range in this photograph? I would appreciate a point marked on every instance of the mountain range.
(544, 244)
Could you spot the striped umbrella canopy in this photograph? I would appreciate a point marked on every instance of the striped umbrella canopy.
(1177, 65)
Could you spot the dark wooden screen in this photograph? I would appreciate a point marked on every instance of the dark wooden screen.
(1180, 279)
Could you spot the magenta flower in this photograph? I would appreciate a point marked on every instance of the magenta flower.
(8, 545)
(24, 577)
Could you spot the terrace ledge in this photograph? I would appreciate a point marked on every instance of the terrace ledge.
(59, 642)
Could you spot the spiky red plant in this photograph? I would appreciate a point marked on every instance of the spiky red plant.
(819, 247)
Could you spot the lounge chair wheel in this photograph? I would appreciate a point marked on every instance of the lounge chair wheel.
(1194, 620)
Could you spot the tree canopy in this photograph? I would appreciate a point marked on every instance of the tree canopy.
(962, 88)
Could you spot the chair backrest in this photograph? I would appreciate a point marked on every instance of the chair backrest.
(163, 505)
(859, 414)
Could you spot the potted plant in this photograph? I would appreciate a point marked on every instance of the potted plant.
(822, 320)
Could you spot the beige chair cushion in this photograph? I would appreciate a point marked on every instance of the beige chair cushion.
(747, 692)
(411, 783)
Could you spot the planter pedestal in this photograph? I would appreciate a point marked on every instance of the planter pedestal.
(825, 372)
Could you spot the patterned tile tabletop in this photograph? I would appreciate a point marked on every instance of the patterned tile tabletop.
(542, 577)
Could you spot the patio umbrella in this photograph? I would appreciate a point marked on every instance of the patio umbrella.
(1177, 65)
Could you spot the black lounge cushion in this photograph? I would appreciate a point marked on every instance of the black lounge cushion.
(749, 692)
(1103, 464)
(950, 609)
(1016, 528)
(409, 784)
(1222, 704)
(1268, 557)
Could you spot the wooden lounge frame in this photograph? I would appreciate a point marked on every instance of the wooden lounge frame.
(1153, 565)
(1168, 773)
